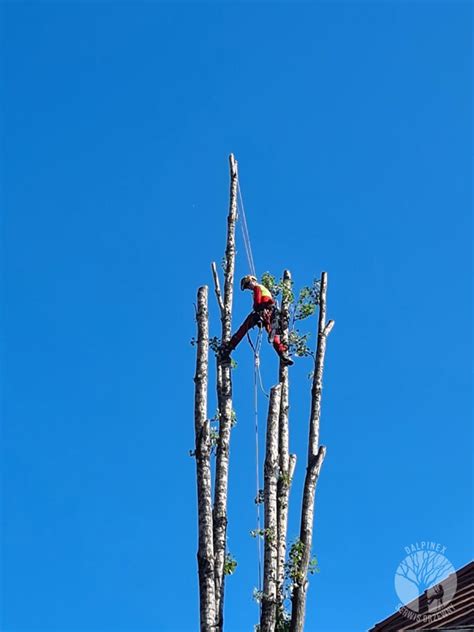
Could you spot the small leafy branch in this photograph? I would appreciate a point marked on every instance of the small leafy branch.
(230, 564)
(278, 288)
(267, 533)
(307, 301)
(214, 438)
(213, 343)
(285, 478)
(260, 497)
(293, 565)
(301, 308)
(298, 344)
(257, 596)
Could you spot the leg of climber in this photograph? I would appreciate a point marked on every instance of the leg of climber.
(279, 347)
(251, 320)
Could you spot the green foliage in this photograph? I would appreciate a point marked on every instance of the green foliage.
(257, 596)
(214, 344)
(269, 281)
(214, 438)
(285, 478)
(300, 309)
(307, 301)
(293, 571)
(293, 564)
(268, 533)
(313, 566)
(230, 564)
(257, 532)
(278, 288)
(298, 344)
(260, 498)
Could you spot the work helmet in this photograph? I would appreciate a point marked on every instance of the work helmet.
(245, 281)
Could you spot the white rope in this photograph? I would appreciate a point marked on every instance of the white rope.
(257, 378)
(257, 472)
(245, 234)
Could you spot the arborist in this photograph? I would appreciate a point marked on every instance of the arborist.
(264, 314)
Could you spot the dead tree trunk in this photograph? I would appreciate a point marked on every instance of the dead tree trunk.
(224, 400)
(279, 464)
(269, 597)
(205, 553)
(287, 462)
(316, 455)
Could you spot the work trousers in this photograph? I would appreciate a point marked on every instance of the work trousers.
(265, 317)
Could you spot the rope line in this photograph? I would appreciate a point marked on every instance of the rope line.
(257, 380)
(245, 233)
(257, 472)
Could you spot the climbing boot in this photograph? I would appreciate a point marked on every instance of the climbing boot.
(286, 360)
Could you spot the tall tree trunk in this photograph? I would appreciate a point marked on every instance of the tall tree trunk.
(286, 462)
(316, 455)
(205, 554)
(224, 400)
(269, 597)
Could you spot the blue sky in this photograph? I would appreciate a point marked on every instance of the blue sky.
(352, 126)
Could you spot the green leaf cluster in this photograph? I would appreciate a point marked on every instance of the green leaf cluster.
(298, 344)
(278, 288)
(268, 533)
(307, 301)
(293, 571)
(260, 497)
(230, 564)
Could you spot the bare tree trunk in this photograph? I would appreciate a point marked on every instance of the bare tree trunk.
(315, 459)
(205, 553)
(269, 597)
(286, 462)
(224, 400)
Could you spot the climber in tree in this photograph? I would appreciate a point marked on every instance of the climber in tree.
(263, 314)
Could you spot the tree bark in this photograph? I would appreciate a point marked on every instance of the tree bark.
(205, 554)
(315, 459)
(284, 479)
(269, 597)
(224, 400)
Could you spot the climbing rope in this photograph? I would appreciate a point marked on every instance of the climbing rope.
(257, 381)
(257, 472)
(245, 233)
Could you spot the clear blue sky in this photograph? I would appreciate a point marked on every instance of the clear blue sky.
(352, 126)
